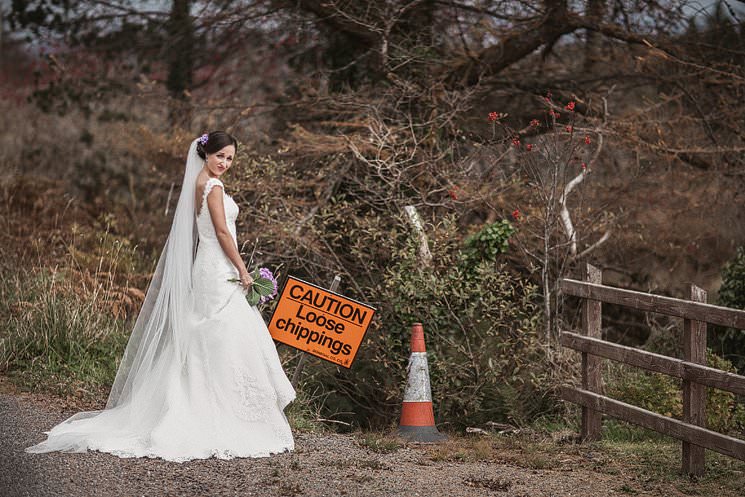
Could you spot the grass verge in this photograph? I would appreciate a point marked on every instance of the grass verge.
(650, 463)
(57, 337)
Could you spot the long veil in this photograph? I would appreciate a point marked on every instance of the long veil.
(159, 328)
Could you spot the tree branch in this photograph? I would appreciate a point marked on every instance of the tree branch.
(513, 48)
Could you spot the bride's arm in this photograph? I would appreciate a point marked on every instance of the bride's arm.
(217, 213)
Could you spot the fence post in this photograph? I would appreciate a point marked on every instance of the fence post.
(591, 323)
(694, 394)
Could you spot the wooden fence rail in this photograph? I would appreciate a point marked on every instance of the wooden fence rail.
(691, 369)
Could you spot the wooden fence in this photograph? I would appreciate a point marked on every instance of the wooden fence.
(691, 369)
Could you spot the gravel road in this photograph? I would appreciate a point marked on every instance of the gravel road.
(322, 465)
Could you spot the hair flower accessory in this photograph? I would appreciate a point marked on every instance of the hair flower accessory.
(203, 139)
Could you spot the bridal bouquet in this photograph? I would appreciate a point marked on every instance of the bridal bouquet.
(264, 286)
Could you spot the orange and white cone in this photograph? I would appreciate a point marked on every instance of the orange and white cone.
(417, 416)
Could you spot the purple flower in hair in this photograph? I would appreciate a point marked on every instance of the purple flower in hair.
(203, 139)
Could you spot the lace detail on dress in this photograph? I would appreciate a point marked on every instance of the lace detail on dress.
(212, 182)
(258, 404)
(255, 404)
(204, 222)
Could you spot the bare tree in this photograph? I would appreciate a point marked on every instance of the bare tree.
(181, 61)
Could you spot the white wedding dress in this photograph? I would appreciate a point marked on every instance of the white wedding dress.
(225, 398)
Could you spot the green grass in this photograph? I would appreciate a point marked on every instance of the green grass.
(618, 431)
(657, 458)
(57, 337)
(379, 443)
(658, 461)
(303, 414)
(651, 462)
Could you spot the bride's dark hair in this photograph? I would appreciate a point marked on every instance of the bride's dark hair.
(216, 141)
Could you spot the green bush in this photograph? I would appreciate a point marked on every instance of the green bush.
(480, 322)
(651, 391)
(730, 342)
(663, 394)
(488, 242)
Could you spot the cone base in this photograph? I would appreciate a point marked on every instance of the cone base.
(424, 434)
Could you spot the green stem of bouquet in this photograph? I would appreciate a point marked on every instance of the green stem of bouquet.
(253, 251)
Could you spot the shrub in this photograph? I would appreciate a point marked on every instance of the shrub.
(663, 394)
(488, 242)
(730, 342)
(480, 321)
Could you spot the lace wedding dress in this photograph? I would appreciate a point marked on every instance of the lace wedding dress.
(217, 389)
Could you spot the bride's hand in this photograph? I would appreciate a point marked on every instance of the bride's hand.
(246, 280)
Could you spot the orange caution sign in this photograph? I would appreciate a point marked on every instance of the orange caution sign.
(320, 322)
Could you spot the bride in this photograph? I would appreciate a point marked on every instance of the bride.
(200, 376)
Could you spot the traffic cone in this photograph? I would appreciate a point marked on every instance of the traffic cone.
(417, 417)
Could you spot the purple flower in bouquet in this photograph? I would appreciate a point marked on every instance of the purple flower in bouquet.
(264, 286)
(266, 274)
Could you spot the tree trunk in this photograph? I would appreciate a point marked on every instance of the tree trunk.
(418, 24)
(181, 65)
(2, 24)
(593, 43)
